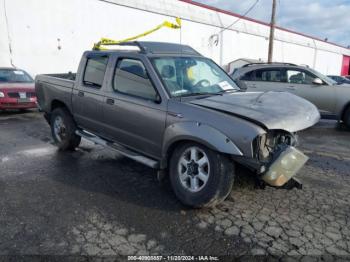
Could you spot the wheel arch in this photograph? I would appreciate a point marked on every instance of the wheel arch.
(57, 103)
(206, 135)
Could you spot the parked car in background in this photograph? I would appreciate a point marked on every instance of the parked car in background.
(329, 97)
(16, 89)
(170, 108)
(348, 77)
(340, 79)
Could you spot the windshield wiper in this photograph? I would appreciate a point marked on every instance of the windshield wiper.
(200, 94)
(207, 94)
(227, 91)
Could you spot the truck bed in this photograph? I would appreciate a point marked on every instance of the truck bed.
(52, 87)
(69, 76)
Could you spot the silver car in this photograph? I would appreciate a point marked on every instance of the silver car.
(329, 97)
(340, 79)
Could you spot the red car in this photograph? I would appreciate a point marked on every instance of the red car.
(16, 89)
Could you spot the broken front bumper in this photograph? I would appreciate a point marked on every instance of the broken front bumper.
(288, 163)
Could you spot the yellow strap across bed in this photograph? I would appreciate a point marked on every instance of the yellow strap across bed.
(107, 41)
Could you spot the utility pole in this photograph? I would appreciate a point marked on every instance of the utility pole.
(272, 31)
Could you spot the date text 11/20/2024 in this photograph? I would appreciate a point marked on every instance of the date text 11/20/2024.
(173, 258)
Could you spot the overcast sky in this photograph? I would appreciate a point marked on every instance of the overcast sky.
(322, 18)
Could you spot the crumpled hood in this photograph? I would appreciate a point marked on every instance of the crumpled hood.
(273, 110)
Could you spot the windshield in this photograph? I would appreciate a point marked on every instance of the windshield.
(340, 79)
(186, 76)
(326, 79)
(14, 76)
(344, 80)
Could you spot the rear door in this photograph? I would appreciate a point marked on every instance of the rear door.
(261, 80)
(135, 114)
(300, 82)
(88, 94)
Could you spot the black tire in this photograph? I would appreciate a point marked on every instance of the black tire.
(347, 117)
(68, 140)
(219, 183)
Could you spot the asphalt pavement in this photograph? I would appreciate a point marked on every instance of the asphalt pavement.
(95, 202)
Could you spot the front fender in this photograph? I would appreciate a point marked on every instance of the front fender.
(200, 133)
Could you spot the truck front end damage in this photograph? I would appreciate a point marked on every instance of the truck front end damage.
(281, 170)
(280, 160)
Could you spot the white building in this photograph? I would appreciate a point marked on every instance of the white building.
(46, 36)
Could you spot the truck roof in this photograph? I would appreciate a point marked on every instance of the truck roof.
(8, 68)
(150, 48)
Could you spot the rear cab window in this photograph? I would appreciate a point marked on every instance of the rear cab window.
(95, 70)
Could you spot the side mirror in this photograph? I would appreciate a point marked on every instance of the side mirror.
(157, 99)
(317, 81)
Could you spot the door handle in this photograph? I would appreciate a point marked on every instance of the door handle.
(290, 88)
(80, 93)
(110, 101)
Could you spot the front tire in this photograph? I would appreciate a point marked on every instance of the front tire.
(200, 177)
(63, 129)
(347, 117)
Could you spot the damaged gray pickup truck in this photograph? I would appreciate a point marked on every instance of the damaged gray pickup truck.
(170, 108)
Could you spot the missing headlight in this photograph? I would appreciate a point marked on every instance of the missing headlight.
(272, 143)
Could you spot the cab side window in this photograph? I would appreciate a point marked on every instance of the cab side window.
(95, 71)
(131, 78)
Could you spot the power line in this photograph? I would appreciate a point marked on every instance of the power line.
(8, 35)
(236, 21)
(242, 16)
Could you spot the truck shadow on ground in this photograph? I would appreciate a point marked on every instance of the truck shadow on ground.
(101, 171)
(16, 112)
(128, 192)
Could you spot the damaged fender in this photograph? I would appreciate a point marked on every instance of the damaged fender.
(201, 133)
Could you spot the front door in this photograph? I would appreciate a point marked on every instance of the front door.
(134, 114)
(300, 82)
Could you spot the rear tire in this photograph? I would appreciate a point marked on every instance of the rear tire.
(200, 177)
(347, 117)
(63, 129)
